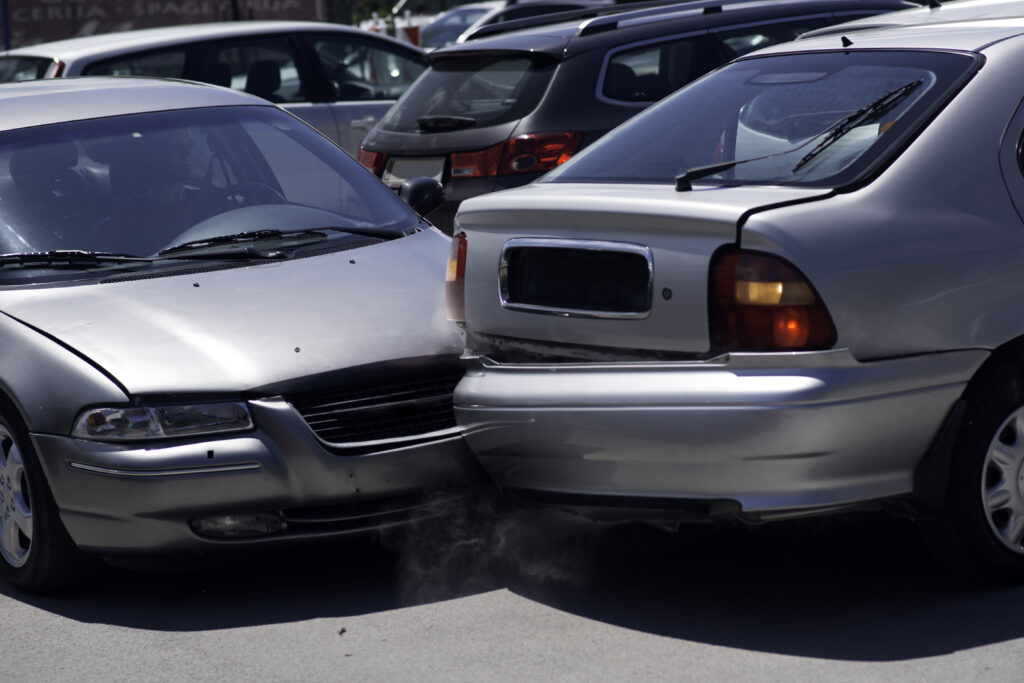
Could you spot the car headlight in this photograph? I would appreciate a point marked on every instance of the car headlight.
(161, 422)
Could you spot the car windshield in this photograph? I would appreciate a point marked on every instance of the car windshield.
(471, 92)
(19, 68)
(819, 120)
(142, 183)
(450, 25)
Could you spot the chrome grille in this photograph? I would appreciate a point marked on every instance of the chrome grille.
(387, 407)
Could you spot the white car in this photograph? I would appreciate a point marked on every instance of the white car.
(792, 288)
(338, 79)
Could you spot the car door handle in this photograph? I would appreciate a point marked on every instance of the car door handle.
(365, 123)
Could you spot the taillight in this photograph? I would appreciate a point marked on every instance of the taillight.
(57, 70)
(372, 160)
(759, 302)
(455, 280)
(535, 153)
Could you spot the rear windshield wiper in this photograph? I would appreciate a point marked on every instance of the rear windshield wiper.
(68, 258)
(832, 133)
(432, 123)
(845, 125)
(261, 235)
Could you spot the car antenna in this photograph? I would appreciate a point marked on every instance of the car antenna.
(847, 42)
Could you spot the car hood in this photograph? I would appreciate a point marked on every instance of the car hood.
(679, 232)
(257, 327)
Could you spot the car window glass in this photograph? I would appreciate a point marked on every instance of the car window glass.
(139, 183)
(159, 64)
(478, 91)
(23, 68)
(524, 11)
(650, 72)
(360, 71)
(775, 115)
(741, 41)
(449, 26)
(264, 67)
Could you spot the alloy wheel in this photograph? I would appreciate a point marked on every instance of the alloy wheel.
(15, 503)
(1002, 485)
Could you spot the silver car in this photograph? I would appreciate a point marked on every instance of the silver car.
(338, 79)
(792, 288)
(217, 330)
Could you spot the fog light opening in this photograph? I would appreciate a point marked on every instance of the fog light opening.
(239, 526)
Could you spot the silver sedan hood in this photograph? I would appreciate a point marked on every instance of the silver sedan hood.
(243, 328)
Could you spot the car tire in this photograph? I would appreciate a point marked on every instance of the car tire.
(36, 553)
(980, 534)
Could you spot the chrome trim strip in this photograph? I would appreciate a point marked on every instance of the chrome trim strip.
(398, 441)
(594, 245)
(215, 469)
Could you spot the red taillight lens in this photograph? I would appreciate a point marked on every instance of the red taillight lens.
(455, 280)
(759, 302)
(373, 161)
(535, 153)
(57, 68)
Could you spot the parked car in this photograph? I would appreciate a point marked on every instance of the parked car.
(204, 344)
(457, 24)
(499, 112)
(337, 78)
(792, 288)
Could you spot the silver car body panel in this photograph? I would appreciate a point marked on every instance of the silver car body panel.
(919, 268)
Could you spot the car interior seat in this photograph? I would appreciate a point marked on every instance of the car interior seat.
(264, 80)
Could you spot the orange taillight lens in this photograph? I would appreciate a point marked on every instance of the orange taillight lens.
(534, 153)
(759, 302)
(455, 280)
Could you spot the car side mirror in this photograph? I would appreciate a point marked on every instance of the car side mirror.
(423, 195)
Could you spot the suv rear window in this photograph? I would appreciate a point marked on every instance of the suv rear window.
(471, 93)
(23, 68)
(818, 120)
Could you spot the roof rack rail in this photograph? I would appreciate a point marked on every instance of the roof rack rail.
(607, 23)
(573, 15)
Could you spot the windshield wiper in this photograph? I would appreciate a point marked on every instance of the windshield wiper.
(432, 123)
(845, 125)
(832, 133)
(261, 235)
(68, 258)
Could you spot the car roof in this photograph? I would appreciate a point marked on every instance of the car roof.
(110, 44)
(35, 103)
(968, 36)
(963, 10)
(555, 37)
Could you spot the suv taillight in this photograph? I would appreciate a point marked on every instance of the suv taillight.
(760, 302)
(373, 161)
(455, 280)
(535, 153)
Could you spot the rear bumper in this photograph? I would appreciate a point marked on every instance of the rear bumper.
(117, 499)
(756, 434)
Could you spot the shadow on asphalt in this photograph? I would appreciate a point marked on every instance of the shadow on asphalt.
(859, 588)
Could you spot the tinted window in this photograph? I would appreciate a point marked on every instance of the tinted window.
(449, 26)
(23, 68)
(741, 41)
(161, 64)
(649, 72)
(265, 67)
(360, 71)
(474, 92)
(778, 116)
(137, 184)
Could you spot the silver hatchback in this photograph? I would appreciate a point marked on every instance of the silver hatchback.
(792, 288)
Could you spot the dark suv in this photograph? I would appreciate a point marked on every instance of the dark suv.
(499, 111)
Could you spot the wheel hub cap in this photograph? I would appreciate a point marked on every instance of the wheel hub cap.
(15, 508)
(1002, 485)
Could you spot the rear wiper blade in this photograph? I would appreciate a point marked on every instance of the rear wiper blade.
(845, 125)
(261, 235)
(432, 123)
(832, 133)
(65, 258)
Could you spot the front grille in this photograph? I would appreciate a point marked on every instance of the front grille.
(377, 408)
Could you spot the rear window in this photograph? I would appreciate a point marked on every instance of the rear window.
(471, 93)
(819, 120)
(23, 68)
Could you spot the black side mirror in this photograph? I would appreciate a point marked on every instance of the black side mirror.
(423, 195)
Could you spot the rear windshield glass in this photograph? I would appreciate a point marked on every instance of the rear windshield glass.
(813, 119)
(467, 93)
(23, 68)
